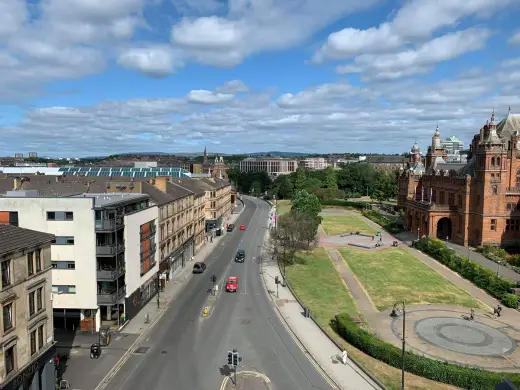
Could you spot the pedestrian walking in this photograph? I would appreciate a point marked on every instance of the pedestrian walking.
(495, 313)
(499, 309)
(472, 315)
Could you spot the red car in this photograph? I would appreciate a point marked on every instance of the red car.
(232, 284)
(242, 227)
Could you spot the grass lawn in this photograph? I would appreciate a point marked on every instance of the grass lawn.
(393, 274)
(339, 224)
(318, 284)
(283, 206)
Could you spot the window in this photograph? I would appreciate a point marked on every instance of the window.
(509, 206)
(63, 240)
(60, 216)
(493, 225)
(434, 196)
(30, 263)
(6, 273)
(451, 198)
(38, 260)
(64, 289)
(495, 190)
(459, 200)
(518, 178)
(493, 161)
(498, 162)
(441, 200)
(39, 299)
(7, 315)
(41, 336)
(508, 225)
(33, 342)
(13, 218)
(9, 360)
(63, 265)
(32, 306)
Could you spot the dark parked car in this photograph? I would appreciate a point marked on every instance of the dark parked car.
(231, 227)
(199, 268)
(240, 257)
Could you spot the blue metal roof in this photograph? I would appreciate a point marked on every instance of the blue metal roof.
(126, 172)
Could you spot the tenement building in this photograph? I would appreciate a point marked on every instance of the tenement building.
(473, 203)
(28, 350)
(218, 203)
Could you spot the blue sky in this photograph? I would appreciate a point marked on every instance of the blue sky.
(84, 77)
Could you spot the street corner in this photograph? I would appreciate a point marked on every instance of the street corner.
(247, 380)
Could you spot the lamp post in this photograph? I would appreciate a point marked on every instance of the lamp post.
(418, 233)
(394, 314)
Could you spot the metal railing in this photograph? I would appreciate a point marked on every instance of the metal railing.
(108, 224)
(110, 274)
(105, 297)
(513, 190)
(109, 249)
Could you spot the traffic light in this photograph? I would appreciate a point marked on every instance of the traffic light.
(235, 359)
(230, 358)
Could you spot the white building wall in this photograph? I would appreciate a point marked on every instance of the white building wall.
(32, 214)
(133, 222)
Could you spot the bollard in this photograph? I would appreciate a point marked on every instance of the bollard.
(147, 318)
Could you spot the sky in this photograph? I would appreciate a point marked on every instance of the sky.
(95, 77)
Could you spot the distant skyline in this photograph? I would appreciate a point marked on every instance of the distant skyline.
(94, 77)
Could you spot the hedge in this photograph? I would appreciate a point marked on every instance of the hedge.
(460, 376)
(483, 277)
(346, 203)
(385, 222)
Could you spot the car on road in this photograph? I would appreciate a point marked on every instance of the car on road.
(242, 227)
(231, 227)
(199, 267)
(240, 257)
(232, 284)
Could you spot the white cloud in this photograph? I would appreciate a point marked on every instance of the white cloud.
(410, 62)
(156, 61)
(512, 62)
(416, 21)
(233, 87)
(515, 38)
(202, 96)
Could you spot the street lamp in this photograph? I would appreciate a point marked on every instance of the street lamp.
(418, 233)
(395, 314)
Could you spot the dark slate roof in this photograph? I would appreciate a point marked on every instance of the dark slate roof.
(15, 239)
(215, 183)
(194, 185)
(385, 159)
(156, 194)
(176, 191)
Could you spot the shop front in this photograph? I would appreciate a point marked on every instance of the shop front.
(212, 225)
(39, 374)
(140, 297)
(182, 256)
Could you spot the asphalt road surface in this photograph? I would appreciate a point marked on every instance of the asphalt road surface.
(188, 352)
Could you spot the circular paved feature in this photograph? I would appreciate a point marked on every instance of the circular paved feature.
(463, 336)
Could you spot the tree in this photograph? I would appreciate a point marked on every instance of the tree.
(331, 180)
(306, 203)
(285, 188)
(300, 180)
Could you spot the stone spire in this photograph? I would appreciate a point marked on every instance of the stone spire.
(493, 137)
(205, 157)
(436, 139)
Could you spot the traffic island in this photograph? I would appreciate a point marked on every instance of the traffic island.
(207, 310)
(247, 380)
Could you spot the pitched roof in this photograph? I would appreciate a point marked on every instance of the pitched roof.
(194, 185)
(216, 183)
(176, 191)
(15, 239)
(156, 194)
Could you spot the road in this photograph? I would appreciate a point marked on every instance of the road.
(187, 351)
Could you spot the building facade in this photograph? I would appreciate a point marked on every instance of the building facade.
(273, 166)
(28, 351)
(470, 204)
(218, 204)
(89, 256)
(315, 163)
(199, 208)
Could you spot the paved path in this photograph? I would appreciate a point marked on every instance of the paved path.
(84, 373)
(314, 341)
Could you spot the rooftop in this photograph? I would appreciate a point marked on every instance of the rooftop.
(125, 171)
(15, 239)
(110, 198)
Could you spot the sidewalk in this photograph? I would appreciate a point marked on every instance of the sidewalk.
(319, 346)
(84, 373)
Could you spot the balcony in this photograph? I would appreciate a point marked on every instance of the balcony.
(110, 297)
(110, 249)
(513, 191)
(110, 274)
(431, 206)
(108, 225)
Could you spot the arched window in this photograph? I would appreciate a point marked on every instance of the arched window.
(498, 162)
(492, 161)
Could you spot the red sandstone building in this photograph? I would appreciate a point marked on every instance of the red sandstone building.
(470, 204)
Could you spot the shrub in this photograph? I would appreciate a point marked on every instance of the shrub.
(484, 278)
(345, 203)
(388, 224)
(464, 377)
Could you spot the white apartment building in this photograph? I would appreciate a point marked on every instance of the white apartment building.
(273, 166)
(452, 144)
(90, 257)
(315, 163)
